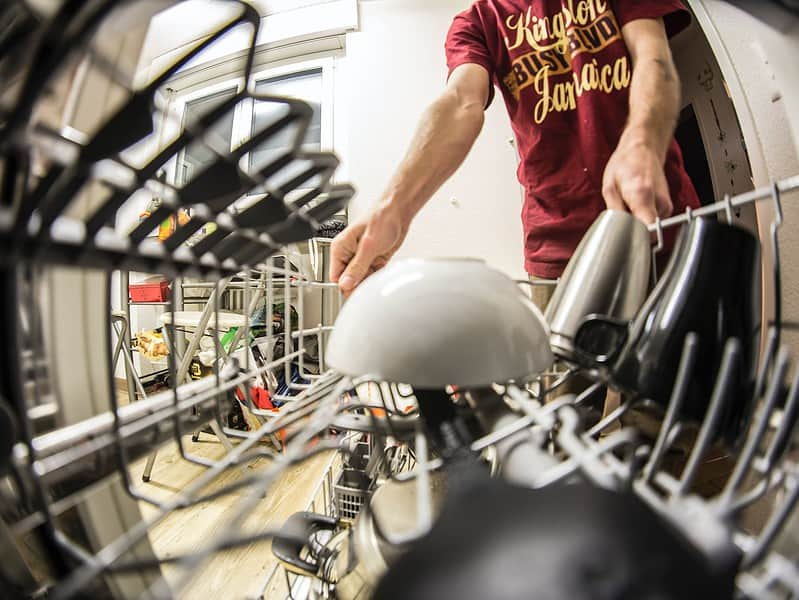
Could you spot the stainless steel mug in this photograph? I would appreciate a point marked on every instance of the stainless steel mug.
(608, 274)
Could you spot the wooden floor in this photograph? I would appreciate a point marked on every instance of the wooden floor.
(240, 572)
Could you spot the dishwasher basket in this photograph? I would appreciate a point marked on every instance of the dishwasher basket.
(351, 491)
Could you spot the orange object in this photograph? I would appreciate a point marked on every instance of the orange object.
(260, 397)
(149, 292)
(168, 225)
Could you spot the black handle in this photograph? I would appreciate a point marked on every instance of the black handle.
(599, 340)
(295, 535)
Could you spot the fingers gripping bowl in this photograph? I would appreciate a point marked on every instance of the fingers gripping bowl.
(437, 322)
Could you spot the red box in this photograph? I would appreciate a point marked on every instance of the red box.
(149, 292)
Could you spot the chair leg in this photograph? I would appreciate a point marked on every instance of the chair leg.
(148, 468)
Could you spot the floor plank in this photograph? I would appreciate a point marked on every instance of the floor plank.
(237, 573)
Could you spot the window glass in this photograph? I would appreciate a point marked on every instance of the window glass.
(305, 86)
(218, 137)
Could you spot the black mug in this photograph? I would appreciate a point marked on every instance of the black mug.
(711, 287)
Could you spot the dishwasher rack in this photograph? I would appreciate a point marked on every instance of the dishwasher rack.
(71, 526)
(69, 443)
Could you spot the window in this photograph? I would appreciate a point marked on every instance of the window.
(305, 86)
(219, 137)
(310, 81)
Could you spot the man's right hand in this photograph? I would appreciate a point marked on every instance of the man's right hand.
(366, 246)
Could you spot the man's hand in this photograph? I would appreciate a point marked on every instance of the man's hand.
(365, 247)
(634, 179)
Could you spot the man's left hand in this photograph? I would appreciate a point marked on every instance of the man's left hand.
(634, 180)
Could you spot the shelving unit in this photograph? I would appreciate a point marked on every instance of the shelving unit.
(302, 287)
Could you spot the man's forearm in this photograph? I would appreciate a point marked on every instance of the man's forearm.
(634, 177)
(445, 135)
(654, 104)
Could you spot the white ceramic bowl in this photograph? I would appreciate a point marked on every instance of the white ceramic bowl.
(437, 322)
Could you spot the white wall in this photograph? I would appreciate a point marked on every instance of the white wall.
(393, 68)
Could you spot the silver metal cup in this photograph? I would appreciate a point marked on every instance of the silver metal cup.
(608, 274)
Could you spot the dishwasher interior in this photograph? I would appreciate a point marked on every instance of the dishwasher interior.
(450, 464)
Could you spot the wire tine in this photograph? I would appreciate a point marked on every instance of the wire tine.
(270, 317)
(774, 526)
(586, 450)
(608, 419)
(320, 340)
(756, 432)
(681, 381)
(247, 323)
(721, 391)
(424, 510)
(586, 394)
(775, 250)
(775, 196)
(728, 208)
(217, 354)
(287, 346)
(765, 486)
(301, 328)
(506, 431)
(788, 420)
(766, 362)
(173, 371)
(559, 382)
(659, 233)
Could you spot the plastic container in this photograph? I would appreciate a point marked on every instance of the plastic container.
(149, 292)
(351, 492)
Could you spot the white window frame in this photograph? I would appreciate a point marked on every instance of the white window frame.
(242, 116)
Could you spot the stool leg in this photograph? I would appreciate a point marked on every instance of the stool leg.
(148, 468)
(221, 435)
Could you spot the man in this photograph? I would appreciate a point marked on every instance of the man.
(593, 97)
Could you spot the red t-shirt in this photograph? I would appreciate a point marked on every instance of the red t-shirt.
(565, 72)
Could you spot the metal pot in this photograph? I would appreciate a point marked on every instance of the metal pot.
(369, 554)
